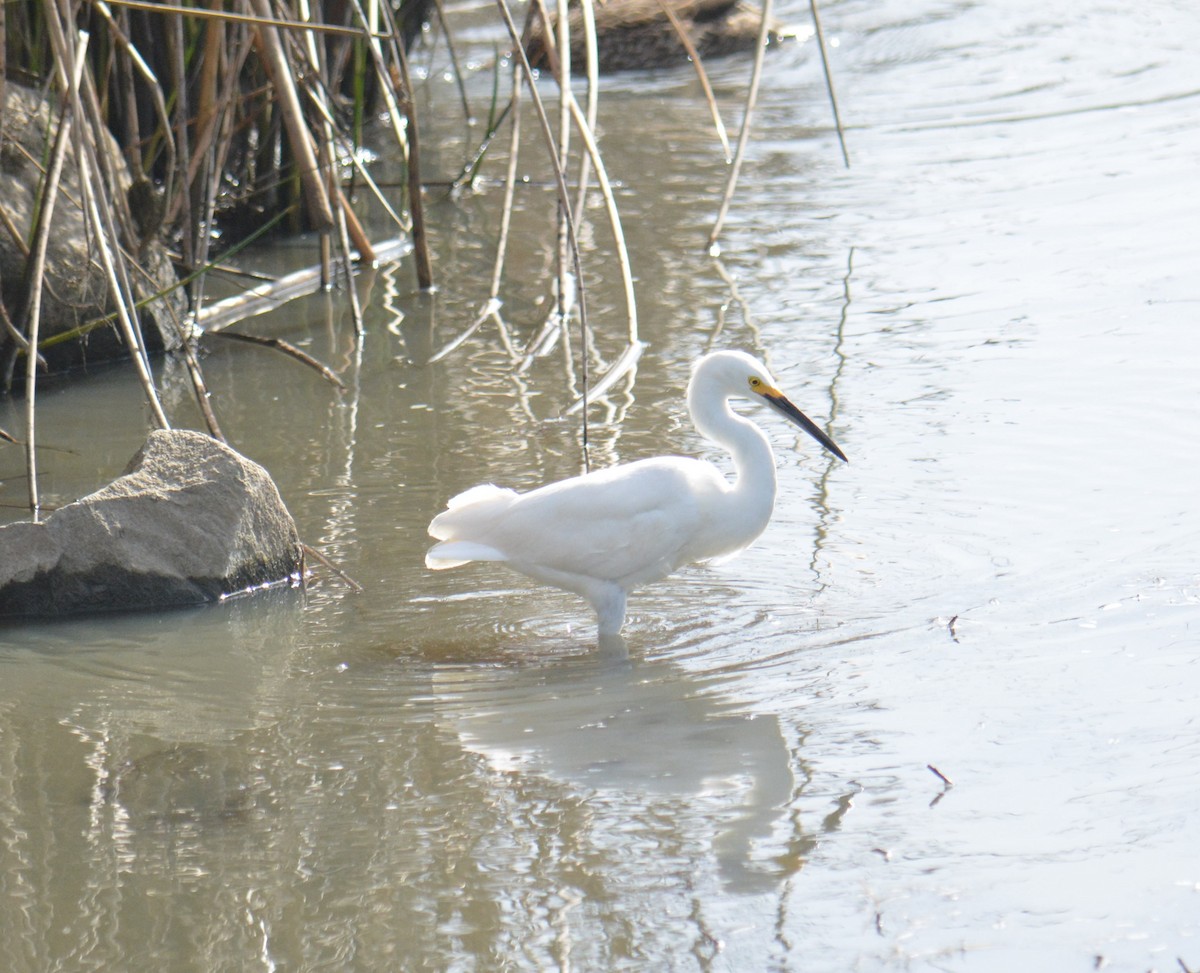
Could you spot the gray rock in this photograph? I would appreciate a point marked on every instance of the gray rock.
(189, 521)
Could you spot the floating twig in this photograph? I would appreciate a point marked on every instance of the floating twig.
(326, 562)
(288, 349)
(940, 776)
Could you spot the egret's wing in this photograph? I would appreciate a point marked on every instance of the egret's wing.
(627, 524)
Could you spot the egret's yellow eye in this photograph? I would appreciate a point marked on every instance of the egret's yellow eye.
(755, 382)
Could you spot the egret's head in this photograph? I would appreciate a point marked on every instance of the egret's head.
(727, 374)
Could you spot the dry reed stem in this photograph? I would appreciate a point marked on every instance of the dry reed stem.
(200, 388)
(632, 352)
(491, 307)
(327, 153)
(416, 206)
(564, 196)
(278, 344)
(35, 276)
(563, 211)
(255, 20)
(837, 116)
(592, 64)
(98, 207)
(701, 74)
(764, 33)
(614, 217)
(21, 341)
(346, 223)
(365, 248)
(386, 86)
(153, 84)
(279, 69)
(510, 183)
(440, 10)
(399, 103)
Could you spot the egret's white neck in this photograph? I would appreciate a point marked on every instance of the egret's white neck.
(748, 445)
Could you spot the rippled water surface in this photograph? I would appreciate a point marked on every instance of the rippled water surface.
(994, 310)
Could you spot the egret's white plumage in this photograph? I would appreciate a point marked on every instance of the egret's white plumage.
(604, 533)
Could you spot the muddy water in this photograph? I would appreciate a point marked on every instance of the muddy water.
(994, 311)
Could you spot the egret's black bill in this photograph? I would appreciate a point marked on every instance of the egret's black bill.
(780, 403)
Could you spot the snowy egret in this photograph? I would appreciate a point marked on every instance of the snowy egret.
(604, 533)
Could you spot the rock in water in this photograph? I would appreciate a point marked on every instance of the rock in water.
(188, 522)
(76, 289)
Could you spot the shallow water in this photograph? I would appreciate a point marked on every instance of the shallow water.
(993, 309)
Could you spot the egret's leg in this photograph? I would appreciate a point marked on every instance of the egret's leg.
(609, 602)
(612, 649)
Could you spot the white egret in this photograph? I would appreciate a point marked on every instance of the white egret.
(604, 533)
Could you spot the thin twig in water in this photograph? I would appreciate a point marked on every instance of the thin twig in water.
(386, 85)
(622, 366)
(489, 311)
(837, 116)
(563, 255)
(156, 93)
(559, 178)
(735, 297)
(940, 776)
(36, 277)
(288, 349)
(350, 582)
(364, 245)
(510, 185)
(633, 350)
(764, 34)
(614, 219)
(701, 75)
(416, 206)
(592, 64)
(491, 308)
(450, 48)
(470, 170)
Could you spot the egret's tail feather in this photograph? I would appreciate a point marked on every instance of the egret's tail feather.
(484, 493)
(470, 511)
(450, 554)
